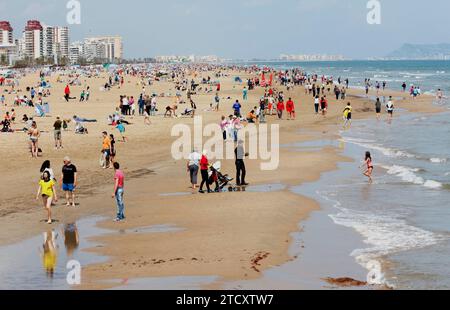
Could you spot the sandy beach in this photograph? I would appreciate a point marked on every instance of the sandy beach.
(234, 236)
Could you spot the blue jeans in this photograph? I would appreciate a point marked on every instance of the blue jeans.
(120, 204)
(235, 135)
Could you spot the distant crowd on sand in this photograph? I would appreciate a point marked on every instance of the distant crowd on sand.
(189, 81)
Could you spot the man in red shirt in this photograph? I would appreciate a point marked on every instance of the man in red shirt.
(290, 108)
(67, 93)
(280, 109)
(119, 182)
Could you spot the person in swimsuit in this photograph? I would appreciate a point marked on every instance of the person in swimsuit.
(34, 134)
(368, 162)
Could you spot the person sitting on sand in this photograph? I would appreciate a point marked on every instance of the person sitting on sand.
(171, 111)
(251, 117)
(6, 126)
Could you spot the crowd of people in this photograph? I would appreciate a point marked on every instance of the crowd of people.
(274, 106)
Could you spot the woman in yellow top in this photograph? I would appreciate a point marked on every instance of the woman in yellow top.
(48, 192)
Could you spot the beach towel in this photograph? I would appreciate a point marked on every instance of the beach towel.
(46, 108)
(39, 111)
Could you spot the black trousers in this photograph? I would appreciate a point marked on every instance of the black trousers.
(205, 177)
(240, 172)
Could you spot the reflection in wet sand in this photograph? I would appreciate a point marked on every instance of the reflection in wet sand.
(49, 254)
(71, 238)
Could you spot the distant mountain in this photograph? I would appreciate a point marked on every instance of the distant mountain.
(422, 51)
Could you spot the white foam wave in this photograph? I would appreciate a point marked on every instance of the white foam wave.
(409, 175)
(433, 184)
(438, 160)
(384, 150)
(406, 174)
(384, 235)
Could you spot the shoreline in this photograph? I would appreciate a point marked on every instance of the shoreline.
(327, 161)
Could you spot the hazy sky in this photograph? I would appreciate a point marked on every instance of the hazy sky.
(245, 28)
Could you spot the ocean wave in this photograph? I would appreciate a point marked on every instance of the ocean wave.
(384, 150)
(409, 175)
(384, 235)
(438, 160)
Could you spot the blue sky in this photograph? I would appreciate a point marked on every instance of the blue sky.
(245, 28)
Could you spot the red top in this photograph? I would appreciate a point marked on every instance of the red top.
(204, 163)
(121, 177)
(290, 106)
(280, 106)
(67, 90)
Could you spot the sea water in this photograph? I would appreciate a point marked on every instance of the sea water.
(404, 216)
(429, 75)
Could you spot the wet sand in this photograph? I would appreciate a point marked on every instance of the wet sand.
(232, 236)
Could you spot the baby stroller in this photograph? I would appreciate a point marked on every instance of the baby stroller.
(221, 180)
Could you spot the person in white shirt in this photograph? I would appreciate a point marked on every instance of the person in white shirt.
(125, 105)
(390, 108)
(153, 104)
(193, 167)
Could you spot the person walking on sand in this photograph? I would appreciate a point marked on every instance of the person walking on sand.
(245, 94)
(112, 156)
(204, 167)
(224, 123)
(193, 166)
(69, 181)
(34, 134)
(67, 93)
(378, 108)
(324, 106)
(121, 128)
(48, 193)
(57, 126)
(106, 150)
(348, 116)
(280, 109)
(119, 183)
(369, 164)
(317, 104)
(46, 167)
(290, 108)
